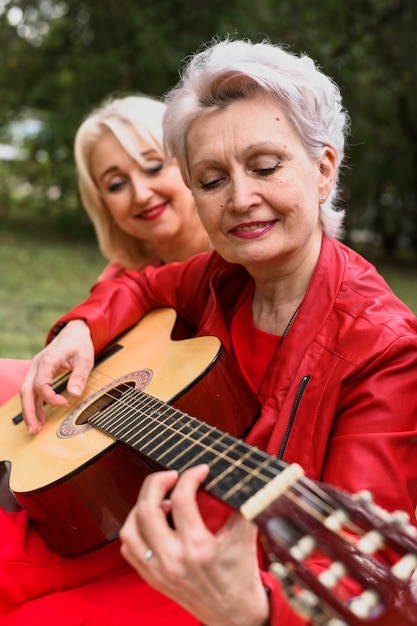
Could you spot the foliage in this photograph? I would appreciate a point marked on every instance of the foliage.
(59, 59)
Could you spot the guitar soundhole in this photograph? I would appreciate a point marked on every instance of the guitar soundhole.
(104, 401)
(76, 422)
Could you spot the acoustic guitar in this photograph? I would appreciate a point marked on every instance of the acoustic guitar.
(79, 477)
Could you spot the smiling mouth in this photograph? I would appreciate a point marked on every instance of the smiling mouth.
(255, 229)
(248, 227)
(152, 213)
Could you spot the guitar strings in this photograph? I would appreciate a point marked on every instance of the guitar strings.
(304, 492)
(307, 494)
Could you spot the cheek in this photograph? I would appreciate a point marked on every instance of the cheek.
(204, 209)
(181, 195)
(118, 205)
(171, 182)
(212, 223)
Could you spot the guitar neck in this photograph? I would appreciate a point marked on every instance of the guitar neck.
(175, 440)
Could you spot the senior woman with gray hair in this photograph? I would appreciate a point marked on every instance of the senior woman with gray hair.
(316, 333)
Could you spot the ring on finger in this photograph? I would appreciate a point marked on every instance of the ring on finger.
(147, 556)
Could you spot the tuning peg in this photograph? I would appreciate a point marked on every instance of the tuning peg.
(406, 567)
(363, 605)
(371, 542)
(331, 576)
(399, 518)
(303, 548)
(402, 520)
(364, 496)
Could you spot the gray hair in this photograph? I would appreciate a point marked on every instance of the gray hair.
(225, 71)
(126, 118)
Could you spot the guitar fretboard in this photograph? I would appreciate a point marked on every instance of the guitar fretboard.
(175, 440)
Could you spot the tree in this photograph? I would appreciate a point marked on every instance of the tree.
(59, 59)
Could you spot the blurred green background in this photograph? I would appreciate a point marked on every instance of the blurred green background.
(60, 59)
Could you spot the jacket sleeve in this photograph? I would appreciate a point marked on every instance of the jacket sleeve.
(373, 444)
(115, 305)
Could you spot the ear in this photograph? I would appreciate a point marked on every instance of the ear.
(328, 169)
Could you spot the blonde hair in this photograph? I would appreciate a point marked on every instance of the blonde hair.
(226, 71)
(125, 118)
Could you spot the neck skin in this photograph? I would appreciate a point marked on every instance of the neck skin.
(189, 241)
(279, 293)
(184, 248)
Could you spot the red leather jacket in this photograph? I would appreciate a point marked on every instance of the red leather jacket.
(341, 398)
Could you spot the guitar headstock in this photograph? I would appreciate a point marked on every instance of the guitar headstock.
(341, 559)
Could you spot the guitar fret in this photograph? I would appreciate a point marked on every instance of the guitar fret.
(132, 420)
(180, 440)
(205, 454)
(175, 440)
(238, 481)
(112, 416)
(155, 442)
(197, 451)
(227, 475)
(146, 430)
(156, 438)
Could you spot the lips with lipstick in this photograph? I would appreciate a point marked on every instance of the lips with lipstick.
(152, 213)
(252, 230)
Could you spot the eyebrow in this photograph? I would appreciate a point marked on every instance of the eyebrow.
(107, 171)
(112, 168)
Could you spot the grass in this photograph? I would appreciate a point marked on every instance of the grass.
(41, 279)
(402, 279)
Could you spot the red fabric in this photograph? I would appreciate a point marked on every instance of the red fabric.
(112, 270)
(12, 373)
(98, 589)
(340, 396)
(252, 348)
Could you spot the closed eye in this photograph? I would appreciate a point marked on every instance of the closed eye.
(116, 186)
(155, 169)
(267, 171)
(212, 184)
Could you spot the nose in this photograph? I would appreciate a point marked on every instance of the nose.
(243, 194)
(142, 189)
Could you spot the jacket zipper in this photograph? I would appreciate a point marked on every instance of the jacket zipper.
(298, 396)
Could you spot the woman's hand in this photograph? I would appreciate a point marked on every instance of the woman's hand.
(213, 576)
(72, 349)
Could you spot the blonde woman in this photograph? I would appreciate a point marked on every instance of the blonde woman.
(142, 212)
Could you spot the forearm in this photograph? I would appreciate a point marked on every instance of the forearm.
(111, 308)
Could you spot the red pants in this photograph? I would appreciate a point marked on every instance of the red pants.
(37, 586)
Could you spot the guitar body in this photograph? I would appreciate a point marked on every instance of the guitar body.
(77, 483)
